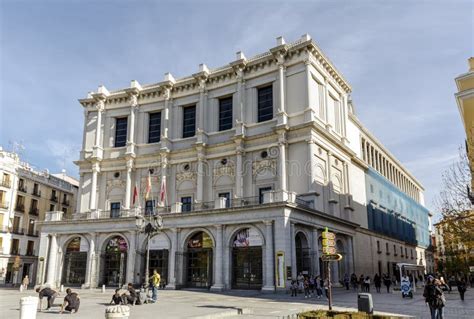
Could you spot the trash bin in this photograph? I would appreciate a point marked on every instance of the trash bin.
(28, 307)
(122, 312)
(364, 303)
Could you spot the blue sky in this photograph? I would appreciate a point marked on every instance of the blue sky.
(401, 58)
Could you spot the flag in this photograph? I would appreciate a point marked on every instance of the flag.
(135, 194)
(163, 191)
(148, 187)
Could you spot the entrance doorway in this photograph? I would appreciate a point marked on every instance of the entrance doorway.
(303, 256)
(159, 261)
(199, 261)
(75, 261)
(115, 262)
(247, 260)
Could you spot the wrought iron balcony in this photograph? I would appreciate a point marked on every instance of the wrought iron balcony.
(17, 230)
(22, 188)
(65, 202)
(36, 193)
(54, 198)
(20, 208)
(34, 211)
(6, 183)
(4, 205)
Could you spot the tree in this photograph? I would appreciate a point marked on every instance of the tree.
(454, 203)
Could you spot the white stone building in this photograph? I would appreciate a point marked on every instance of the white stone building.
(25, 196)
(258, 157)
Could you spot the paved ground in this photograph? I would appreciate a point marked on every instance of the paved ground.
(200, 304)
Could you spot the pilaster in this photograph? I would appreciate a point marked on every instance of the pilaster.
(218, 283)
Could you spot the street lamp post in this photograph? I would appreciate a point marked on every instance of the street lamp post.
(149, 226)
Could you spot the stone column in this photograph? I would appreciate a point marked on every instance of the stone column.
(128, 185)
(282, 161)
(239, 169)
(293, 251)
(93, 197)
(269, 258)
(131, 255)
(309, 81)
(350, 256)
(309, 168)
(90, 267)
(200, 175)
(164, 175)
(52, 260)
(281, 81)
(172, 260)
(315, 255)
(100, 109)
(133, 111)
(79, 194)
(218, 283)
(84, 133)
(326, 100)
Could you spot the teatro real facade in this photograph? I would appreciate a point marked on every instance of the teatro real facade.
(258, 157)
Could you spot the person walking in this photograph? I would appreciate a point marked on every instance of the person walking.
(306, 288)
(387, 282)
(367, 284)
(294, 288)
(354, 281)
(311, 284)
(319, 290)
(49, 293)
(434, 297)
(346, 281)
(461, 283)
(71, 302)
(361, 282)
(155, 284)
(25, 282)
(377, 282)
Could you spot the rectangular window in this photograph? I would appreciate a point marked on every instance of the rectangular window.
(227, 197)
(265, 103)
(114, 210)
(401, 251)
(30, 248)
(64, 210)
(260, 193)
(187, 203)
(54, 198)
(16, 224)
(378, 247)
(121, 131)
(149, 207)
(406, 253)
(189, 121)
(387, 249)
(15, 247)
(154, 128)
(225, 114)
(394, 250)
(52, 208)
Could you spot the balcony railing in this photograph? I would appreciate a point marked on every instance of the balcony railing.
(32, 233)
(54, 198)
(17, 230)
(219, 204)
(34, 211)
(14, 251)
(20, 208)
(4, 229)
(5, 183)
(65, 202)
(4, 205)
(22, 188)
(36, 193)
(30, 253)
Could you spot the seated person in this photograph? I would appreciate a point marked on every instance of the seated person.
(130, 296)
(71, 302)
(117, 298)
(49, 293)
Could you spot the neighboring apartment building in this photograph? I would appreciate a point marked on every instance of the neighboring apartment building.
(25, 196)
(257, 157)
(465, 100)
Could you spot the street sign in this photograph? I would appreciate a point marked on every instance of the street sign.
(329, 242)
(328, 235)
(329, 250)
(331, 257)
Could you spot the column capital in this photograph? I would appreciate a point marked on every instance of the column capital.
(129, 164)
(95, 167)
(100, 105)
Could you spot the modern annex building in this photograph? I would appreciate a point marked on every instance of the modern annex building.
(257, 157)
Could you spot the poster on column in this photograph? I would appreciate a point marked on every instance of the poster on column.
(280, 269)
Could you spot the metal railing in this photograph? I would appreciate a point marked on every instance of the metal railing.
(4, 205)
(20, 208)
(54, 198)
(65, 202)
(17, 230)
(32, 233)
(36, 192)
(22, 188)
(34, 211)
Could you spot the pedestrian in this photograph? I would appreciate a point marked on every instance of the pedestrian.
(311, 284)
(461, 283)
(294, 288)
(377, 282)
(306, 288)
(155, 284)
(387, 282)
(319, 290)
(130, 296)
(346, 281)
(434, 297)
(367, 284)
(71, 302)
(300, 281)
(354, 281)
(49, 293)
(25, 282)
(361, 283)
(117, 298)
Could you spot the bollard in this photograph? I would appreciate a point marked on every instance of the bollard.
(103, 288)
(28, 307)
(122, 312)
(61, 289)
